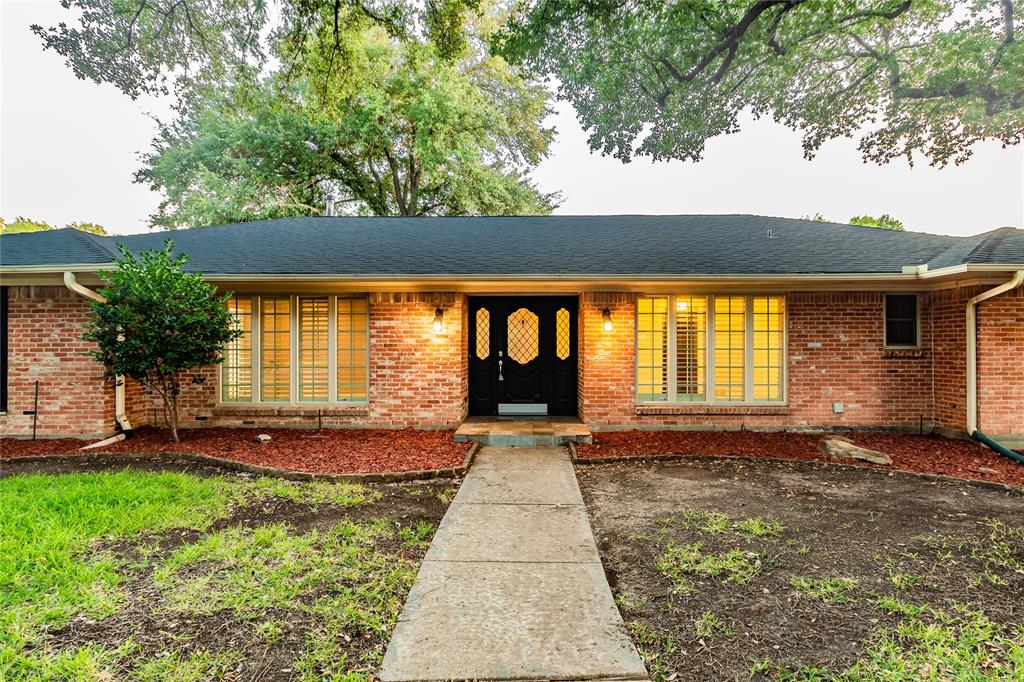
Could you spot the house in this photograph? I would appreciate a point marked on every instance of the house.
(702, 322)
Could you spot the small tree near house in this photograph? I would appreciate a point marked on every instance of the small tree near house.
(157, 323)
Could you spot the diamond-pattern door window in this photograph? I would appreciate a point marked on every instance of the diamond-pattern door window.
(483, 333)
(523, 336)
(562, 338)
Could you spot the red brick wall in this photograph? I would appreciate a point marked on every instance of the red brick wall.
(950, 340)
(418, 379)
(1001, 364)
(1000, 361)
(607, 360)
(44, 326)
(877, 387)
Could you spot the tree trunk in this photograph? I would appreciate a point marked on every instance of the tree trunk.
(173, 396)
(169, 403)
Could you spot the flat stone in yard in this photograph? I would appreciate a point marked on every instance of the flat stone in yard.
(841, 448)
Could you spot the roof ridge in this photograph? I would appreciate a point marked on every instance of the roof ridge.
(987, 243)
(912, 234)
(93, 243)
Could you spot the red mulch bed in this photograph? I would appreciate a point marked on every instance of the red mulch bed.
(921, 454)
(328, 451)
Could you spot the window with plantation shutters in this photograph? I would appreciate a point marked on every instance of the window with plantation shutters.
(275, 349)
(353, 339)
(314, 355)
(236, 371)
(729, 344)
(711, 349)
(297, 349)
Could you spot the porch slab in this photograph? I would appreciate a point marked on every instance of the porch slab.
(523, 431)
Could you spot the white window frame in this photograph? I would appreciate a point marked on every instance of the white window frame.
(295, 354)
(885, 320)
(672, 398)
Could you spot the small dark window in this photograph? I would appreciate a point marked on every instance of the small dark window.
(901, 320)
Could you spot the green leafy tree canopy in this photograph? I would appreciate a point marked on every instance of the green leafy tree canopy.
(659, 78)
(157, 323)
(884, 221)
(154, 47)
(20, 224)
(389, 126)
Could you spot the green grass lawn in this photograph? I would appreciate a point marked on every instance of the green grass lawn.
(148, 576)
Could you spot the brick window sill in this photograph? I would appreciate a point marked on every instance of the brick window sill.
(712, 410)
(290, 411)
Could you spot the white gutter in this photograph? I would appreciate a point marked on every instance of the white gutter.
(972, 345)
(119, 412)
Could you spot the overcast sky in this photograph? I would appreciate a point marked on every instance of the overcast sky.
(69, 149)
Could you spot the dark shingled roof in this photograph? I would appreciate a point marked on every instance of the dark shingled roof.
(562, 246)
(54, 247)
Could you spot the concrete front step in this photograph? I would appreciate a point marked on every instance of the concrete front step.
(523, 431)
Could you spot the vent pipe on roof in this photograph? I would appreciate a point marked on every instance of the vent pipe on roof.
(329, 209)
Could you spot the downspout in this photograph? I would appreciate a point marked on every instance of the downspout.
(972, 366)
(119, 412)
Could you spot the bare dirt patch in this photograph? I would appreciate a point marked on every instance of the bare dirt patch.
(737, 569)
(322, 451)
(926, 454)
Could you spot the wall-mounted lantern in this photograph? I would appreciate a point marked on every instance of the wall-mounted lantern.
(439, 320)
(606, 315)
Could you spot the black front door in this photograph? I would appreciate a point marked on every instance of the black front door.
(522, 355)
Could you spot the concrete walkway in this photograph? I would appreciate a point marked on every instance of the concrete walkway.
(512, 586)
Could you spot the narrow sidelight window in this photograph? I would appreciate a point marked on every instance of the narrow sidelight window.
(236, 372)
(563, 336)
(483, 333)
(901, 320)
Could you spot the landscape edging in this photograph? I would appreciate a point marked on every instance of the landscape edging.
(576, 459)
(273, 472)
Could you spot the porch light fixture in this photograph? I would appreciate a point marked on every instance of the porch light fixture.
(606, 315)
(439, 320)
